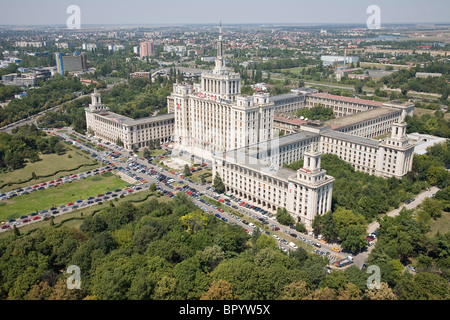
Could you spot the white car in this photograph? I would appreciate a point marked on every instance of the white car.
(293, 245)
(276, 237)
(251, 225)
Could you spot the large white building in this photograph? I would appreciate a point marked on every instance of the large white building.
(213, 117)
(213, 121)
(133, 133)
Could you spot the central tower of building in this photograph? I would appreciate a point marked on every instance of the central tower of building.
(212, 117)
(220, 84)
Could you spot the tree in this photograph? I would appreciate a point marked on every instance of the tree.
(146, 153)
(187, 171)
(383, 293)
(218, 184)
(300, 227)
(432, 207)
(166, 289)
(40, 291)
(296, 291)
(61, 292)
(194, 221)
(284, 217)
(359, 87)
(16, 230)
(219, 290)
(323, 294)
(353, 238)
(349, 292)
(264, 241)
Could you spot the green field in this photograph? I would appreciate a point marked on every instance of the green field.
(297, 70)
(75, 219)
(196, 176)
(49, 164)
(52, 197)
(441, 225)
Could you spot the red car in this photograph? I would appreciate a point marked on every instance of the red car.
(25, 221)
(131, 190)
(36, 218)
(43, 184)
(59, 179)
(220, 209)
(6, 226)
(36, 186)
(70, 204)
(74, 176)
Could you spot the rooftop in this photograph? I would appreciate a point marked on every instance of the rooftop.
(348, 99)
(132, 122)
(351, 138)
(286, 96)
(359, 117)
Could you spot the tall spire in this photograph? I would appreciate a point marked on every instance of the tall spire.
(219, 43)
(220, 60)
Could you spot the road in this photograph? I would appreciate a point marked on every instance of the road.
(252, 215)
(248, 214)
(361, 258)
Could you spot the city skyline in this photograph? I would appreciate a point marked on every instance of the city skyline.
(136, 12)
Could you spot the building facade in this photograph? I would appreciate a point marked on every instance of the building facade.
(146, 49)
(213, 117)
(134, 134)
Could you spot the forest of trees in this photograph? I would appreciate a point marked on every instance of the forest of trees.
(359, 198)
(318, 112)
(50, 93)
(70, 114)
(26, 143)
(138, 97)
(172, 250)
(429, 124)
(406, 79)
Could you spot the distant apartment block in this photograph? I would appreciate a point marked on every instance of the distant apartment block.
(428, 74)
(178, 50)
(338, 60)
(89, 46)
(146, 49)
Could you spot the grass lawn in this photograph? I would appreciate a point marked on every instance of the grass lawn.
(49, 164)
(153, 153)
(196, 176)
(75, 219)
(441, 224)
(296, 70)
(52, 197)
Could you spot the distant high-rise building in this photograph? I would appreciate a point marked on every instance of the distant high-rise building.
(146, 49)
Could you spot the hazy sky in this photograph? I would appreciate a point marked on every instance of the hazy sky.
(39, 12)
